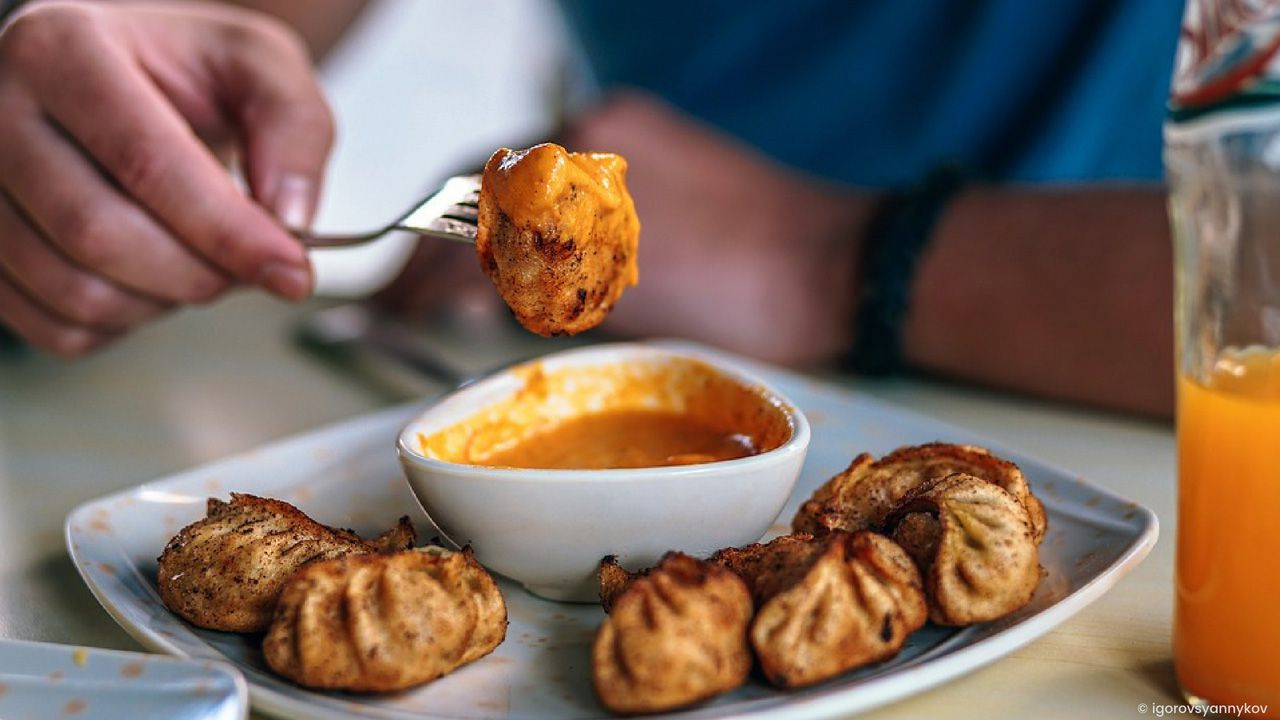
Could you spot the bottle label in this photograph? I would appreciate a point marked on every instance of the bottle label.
(1228, 61)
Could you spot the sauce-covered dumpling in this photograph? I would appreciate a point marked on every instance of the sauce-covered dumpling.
(557, 235)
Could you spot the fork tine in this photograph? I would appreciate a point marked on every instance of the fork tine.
(448, 228)
(443, 212)
(465, 213)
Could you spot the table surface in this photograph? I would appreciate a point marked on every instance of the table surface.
(210, 382)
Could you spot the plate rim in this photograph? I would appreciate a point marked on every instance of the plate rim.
(828, 702)
(240, 686)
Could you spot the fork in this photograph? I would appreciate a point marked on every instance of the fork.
(447, 214)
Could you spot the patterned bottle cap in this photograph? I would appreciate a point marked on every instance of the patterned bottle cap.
(1228, 58)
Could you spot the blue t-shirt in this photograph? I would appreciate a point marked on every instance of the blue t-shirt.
(880, 93)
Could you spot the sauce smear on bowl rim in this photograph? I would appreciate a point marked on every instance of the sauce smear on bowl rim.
(679, 411)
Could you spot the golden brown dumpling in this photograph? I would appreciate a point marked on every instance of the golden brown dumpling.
(557, 235)
(613, 580)
(676, 635)
(769, 568)
(375, 623)
(974, 545)
(225, 572)
(827, 605)
(863, 494)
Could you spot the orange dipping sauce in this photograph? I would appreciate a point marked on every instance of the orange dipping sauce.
(1226, 628)
(673, 412)
(625, 439)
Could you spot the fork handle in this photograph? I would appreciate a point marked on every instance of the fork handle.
(313, 240)
(329, 240)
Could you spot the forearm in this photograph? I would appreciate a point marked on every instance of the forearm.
(1059, 293)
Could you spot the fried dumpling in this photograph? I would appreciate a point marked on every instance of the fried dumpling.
(974, 545)
(862, 495)
(225, 572)
(557, 235)
(613, 580)
(374, 623)
(676, 635)
(829, 604)
(769, 568)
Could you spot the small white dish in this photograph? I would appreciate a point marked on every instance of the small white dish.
(548, 529)
(43, 680)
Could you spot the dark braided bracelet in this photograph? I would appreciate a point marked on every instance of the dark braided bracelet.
(896, 238)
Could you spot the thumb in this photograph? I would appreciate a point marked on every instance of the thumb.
(285, 123)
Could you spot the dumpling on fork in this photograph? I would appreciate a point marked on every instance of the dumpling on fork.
(225, 571)
(557, 234)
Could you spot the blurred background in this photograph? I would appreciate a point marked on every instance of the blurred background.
(497, 72)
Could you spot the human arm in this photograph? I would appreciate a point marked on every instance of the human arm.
(1064, 292)
(1061, 293)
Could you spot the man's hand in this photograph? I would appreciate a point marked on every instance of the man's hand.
(112, 207)
(734, 249)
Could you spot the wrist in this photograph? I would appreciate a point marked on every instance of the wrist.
(897, 236)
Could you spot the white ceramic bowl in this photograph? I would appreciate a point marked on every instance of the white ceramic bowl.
(548, 529)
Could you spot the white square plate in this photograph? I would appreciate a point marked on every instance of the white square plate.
(39, 681)
(347, 475)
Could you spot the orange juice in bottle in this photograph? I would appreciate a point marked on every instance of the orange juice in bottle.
(1227, 616)
(1222, 167)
